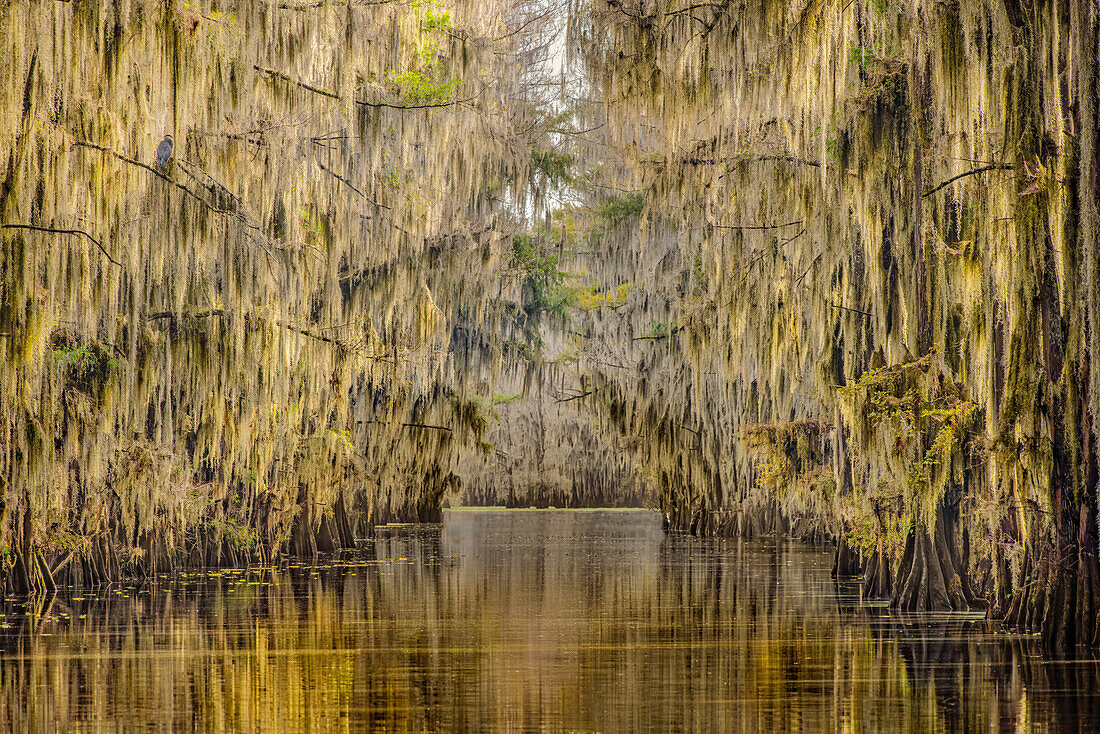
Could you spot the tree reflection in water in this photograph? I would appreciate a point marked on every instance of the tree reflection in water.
(526, 621)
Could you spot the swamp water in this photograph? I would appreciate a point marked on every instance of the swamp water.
(525, 621)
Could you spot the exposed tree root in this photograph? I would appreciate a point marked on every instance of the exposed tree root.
(932, 576)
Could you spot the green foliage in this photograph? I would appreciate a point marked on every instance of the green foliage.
(882, 76)
(436, 22)
(517, 348)
(427, 85)
(62, 540)
(914, 417)
(544, 288)
(314, 229)
(660, 330)
(506, 398)
(473, 413)
(419, 88)
(593, 296)
(238, 536)
(554, 168)
(83, 366)
(870, 58)
(793, 456)
(834, 135)
(876, 520)
(618, 208)
(698, 273)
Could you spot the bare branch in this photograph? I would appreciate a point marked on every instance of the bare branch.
(35, 228)
(309, 87)
(758, 226)
(159, 315)
(333, 95)
(578, 397)
(953, 179)
(182, 187)
(429, 106)
(655, 337)
(853, 310)
(350, 185)
(321, 4)
(171, 315)
(754, 157)
(417, 425)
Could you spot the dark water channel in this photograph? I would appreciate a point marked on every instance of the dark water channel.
(524, 621)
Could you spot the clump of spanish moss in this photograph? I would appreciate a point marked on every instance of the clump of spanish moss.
(260, 346)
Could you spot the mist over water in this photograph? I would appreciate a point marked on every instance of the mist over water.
(525, 621)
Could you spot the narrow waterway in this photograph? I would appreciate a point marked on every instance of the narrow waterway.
(525, 621)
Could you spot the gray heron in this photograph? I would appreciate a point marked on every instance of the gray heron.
(164, 153)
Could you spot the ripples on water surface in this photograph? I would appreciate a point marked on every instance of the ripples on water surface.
(525, 621)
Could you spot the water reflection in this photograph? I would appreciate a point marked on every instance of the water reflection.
(525, 622)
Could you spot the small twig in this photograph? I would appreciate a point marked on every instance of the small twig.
(716, 7)
(578, 397)
(350, 185)
(320, 4)
(658, 336)
(318, 337)
(983, 169)
(809, 268)
(333, 95)
(524, 25)
(418, 425)
(792, 239)
(428, 106)
(752, 157)
(758, 226)
(854, 310)
(34, 228)
(421, 425)
(157, 315)
(280, 75)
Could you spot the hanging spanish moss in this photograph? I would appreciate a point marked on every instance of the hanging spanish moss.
(243, 340)
(885, 218)
(820, 268)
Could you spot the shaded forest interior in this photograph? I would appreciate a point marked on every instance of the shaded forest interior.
(823, 267)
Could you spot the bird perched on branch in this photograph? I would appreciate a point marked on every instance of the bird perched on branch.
(164, 153)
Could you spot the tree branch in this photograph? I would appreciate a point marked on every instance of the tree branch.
(654, 337)
(349, 184)
(578, 397)
(35, 228)
(159, 315)
(748, 157)
(309, 87)
(417, 425)
(853, 310)
(333, 95)
(953, 179)
(320, 4)
(182, 187)
(758, 226)
(429, 106)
